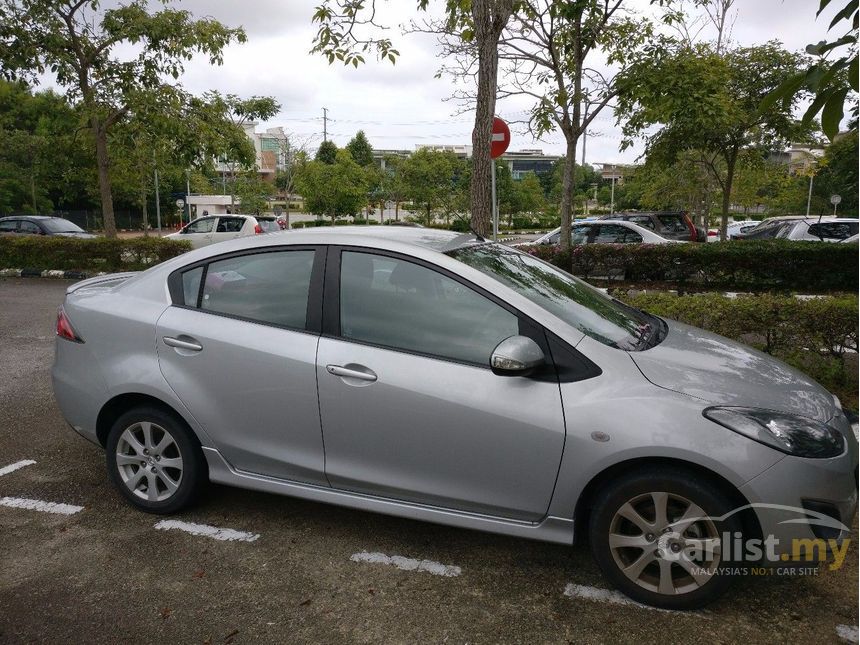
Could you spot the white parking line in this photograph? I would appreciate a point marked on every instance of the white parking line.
(611, 597)
(214, 532)
(847, 633)
(11, 468)
(38, 505)
(408, 564)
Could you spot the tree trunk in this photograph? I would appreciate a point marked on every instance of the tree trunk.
(144, 213)
(396, 211)
(103, 165)
(489, 18)
(567, 190)
(731, 158)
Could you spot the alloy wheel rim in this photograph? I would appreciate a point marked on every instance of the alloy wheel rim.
(149, 461)
(664, 543)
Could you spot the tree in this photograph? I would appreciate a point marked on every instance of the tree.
(78, 42)
(359, 148)
(327, 152)
(428, 178)
(830, 81)
(839, 174)
(550, 52)
(342, 35)
(332, 189)
(253, 193)
(708, 103)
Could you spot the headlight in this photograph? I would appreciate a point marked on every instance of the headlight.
(786, 432)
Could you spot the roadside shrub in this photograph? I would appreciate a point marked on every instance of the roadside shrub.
(778, 265)
(818, 336)
(94, 255)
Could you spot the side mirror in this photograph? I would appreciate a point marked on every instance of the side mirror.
(516, 356)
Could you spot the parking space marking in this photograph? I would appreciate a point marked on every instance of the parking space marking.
(609, 596)
(408, 564)
(847, 633)
(204, 530)
(38, 505)
(11, 468)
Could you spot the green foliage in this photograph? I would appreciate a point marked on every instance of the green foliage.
(429, 178)
(812, 335)
(829, 79)
(327, 152)
(839, 175)
(252, 193)
(777, 265)
(360, 149)
(92, 255)
(333, 189)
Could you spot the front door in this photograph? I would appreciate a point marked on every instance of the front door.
(410, 409)
(240, 353)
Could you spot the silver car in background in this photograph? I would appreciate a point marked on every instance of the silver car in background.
(439, 377)
(604, 232)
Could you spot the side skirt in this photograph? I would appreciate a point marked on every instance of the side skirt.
(550, 529)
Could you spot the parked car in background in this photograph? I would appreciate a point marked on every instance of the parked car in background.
(41, 225)
(220, 228)
(672, 225)
(603, 232)
(808, 229)
(851, 240)
(538, 406)
(732, 230)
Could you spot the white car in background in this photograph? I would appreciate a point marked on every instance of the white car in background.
(732, 230)
(604, 231)
(220, 228)
(804, 229)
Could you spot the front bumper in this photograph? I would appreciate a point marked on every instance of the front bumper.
(781, 495)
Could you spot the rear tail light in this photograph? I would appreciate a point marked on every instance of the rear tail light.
(693, 235)
(65, 329)
(712, 233)
(258, 229)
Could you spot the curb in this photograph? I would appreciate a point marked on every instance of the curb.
(48, 273)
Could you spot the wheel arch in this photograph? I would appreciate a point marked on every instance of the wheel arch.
(121, 403)
(751, 526)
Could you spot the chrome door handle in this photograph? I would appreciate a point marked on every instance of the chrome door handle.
(346, 372)
(182, 344)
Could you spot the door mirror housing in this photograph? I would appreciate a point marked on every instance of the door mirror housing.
(516, 356)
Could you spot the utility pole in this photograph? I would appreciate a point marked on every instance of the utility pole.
(325, 124)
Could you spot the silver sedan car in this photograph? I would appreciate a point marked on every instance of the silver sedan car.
(439, 377)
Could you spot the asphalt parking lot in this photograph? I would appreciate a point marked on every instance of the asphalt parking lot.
(262, 568)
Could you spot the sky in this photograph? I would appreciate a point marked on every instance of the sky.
(399, 106)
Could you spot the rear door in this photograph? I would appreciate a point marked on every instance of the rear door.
(229, 228)
(410, 407)
(238, 346)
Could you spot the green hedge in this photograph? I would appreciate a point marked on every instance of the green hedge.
(816, 335)
(92, 255)
(778, 265)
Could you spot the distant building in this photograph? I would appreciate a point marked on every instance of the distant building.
(519, 162)
(616, 171)
(799, 157)
(271, 151)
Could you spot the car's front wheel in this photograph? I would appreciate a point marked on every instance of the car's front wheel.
(657, 534)
(154, 460)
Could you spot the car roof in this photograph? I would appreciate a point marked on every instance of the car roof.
(37, 217)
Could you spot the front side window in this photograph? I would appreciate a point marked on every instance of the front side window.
(60, 225)
(566, 297)
(205, 225)
(268, 287)
(579, 234)
(402, 305)
(29, 227)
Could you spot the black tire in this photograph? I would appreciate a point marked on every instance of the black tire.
(190, 478)
(681, 485)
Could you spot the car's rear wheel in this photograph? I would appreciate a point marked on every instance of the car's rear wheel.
(657, 535)
(154, 460)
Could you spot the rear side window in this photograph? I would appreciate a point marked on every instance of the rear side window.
(230, 224)
(28, 227)
(402, 305)
(270, 288)
(642, 220)
(616, 234)
(674, 223)
(268, 225)
(8, 225)
(834, 230)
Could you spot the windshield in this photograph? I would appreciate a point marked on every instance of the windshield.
(59, 225)
(592, 312)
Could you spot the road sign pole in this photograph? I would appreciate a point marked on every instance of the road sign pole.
(495, 205)
(809, 196)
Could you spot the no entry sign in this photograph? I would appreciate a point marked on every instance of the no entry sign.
(501, 138)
